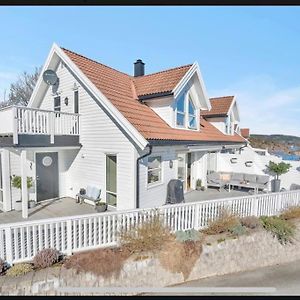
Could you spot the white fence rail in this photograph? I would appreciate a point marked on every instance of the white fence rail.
(19, 242)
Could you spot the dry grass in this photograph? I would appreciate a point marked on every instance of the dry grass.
(290, 213)
(225, 221)
(19, 269)
(178, 257)
(250, 222)
(105, 262)
(147, 237)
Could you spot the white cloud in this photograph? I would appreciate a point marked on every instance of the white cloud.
(265, 108)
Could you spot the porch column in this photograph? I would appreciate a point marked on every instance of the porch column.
(24, 184)
(6, 180)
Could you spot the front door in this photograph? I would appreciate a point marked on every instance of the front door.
(47, 175)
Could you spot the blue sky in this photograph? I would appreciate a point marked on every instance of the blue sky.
(250, 52)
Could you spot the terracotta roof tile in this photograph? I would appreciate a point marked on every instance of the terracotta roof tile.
(219, 106)
(160, 82)
(245, 132)
(121, 89)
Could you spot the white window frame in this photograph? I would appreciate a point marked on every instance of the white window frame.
(59, 106)
(180, 112)
(187, 96)
(153, 169)
(107, 191)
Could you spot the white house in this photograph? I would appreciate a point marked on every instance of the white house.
(128, 135)
(224, 114)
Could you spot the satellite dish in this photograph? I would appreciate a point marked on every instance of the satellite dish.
(50, 77)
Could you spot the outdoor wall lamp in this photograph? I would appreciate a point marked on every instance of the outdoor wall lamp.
(233, 160)
(248, 163)
(171, 163)
(66, 101)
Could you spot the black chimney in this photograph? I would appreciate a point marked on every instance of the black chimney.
(139, 68)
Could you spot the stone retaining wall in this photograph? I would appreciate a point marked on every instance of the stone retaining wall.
(233, 255)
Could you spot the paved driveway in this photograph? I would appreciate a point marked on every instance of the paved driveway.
(280, 279)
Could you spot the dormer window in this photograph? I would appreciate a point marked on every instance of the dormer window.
(186, 113)
(180, 115)
(192, 115)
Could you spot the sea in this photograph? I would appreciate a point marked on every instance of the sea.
(286, 156)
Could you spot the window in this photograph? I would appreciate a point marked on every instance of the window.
(192, 115)
(111, 180)
(186, 113)
(180, 112)
(57, 105)
(154, 169)
(76, 102)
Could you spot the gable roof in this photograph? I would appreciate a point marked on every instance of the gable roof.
(220, 106)
(160, 82)
(122, 91)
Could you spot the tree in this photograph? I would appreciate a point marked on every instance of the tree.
(278, 169)
(20, 91)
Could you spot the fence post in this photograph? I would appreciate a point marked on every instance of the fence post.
(15, 126)
(254, 207)
(8, 246)
(52, 126)
(196, 217)
(69, 237)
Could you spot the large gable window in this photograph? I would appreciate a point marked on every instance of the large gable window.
(180, 114)
(192, 115)
(154, 169)
(186, 113)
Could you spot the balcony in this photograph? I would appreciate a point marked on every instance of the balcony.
(31, 127)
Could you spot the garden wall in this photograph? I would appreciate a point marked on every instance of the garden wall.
(247, 252)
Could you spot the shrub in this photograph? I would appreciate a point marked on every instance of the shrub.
(45, 258)
(292, 212)
(238, 230)
(188, 235)
(280, 228)
(19, 269)
(2, 265)
(250, 222)
(225, 221)
(180, 257)
(104, 262)
(149, 236)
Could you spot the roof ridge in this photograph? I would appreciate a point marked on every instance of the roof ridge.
(221, 97)
(95, 61)
(163, 71)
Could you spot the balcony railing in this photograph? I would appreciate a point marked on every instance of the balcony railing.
(31, 121)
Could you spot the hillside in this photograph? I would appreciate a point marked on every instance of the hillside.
(276, 142)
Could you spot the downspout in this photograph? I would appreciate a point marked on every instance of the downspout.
(240, 149)
(138, 174)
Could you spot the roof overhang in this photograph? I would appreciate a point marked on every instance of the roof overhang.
(198, 144)
(231, 109)
(55, 55)
(202, 100)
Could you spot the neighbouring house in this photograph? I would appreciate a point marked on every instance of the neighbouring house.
(128, 135)
(224, 114)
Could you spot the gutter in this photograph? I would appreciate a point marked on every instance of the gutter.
(138, 174)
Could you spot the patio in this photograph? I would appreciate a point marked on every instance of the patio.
(213, 193)
(62, 207)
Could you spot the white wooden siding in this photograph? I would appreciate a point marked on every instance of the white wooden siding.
(99, 136)
(164, 108)
(155, 195)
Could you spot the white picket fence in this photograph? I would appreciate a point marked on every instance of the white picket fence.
(19, 242)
